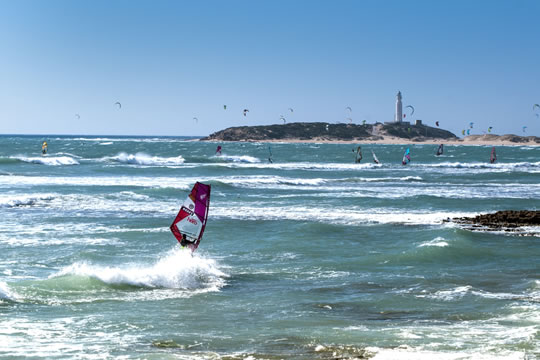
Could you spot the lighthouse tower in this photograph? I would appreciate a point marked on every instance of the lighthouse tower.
(399, 108)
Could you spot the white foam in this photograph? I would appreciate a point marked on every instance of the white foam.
(126, 139)
(497, 167)
(177, 270)
(48, 160)
(341, 216)
(144, 159)
(405, 352)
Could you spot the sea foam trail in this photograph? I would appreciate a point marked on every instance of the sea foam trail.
(177, 270)
(144, 159)
(48, 160)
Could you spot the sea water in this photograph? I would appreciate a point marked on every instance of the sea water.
(311, 256)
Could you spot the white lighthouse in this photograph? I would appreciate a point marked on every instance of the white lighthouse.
(399, 108)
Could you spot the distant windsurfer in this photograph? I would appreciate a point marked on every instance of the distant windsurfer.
(44, 148)
(406, 157)
(270, 155)
(440, 150)
(218, 150)
(375, 160)
(358, 154)
(493, 156)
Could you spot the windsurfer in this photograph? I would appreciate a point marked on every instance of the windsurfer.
(358, 154)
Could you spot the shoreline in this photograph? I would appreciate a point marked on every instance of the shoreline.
(392, 141)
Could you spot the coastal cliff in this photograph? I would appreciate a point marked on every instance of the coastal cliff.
(321, 131)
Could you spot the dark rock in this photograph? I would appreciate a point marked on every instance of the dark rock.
(507, 220)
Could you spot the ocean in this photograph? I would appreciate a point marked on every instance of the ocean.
(311, 256)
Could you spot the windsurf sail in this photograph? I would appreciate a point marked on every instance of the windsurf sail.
(188, 226)
(44, 148)
(375, 160)
(218, 150)
(406, 157)
(493, 156)
(440, 150)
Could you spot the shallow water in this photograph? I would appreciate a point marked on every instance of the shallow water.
(308, 257)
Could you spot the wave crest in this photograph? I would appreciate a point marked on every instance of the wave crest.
(48, 160)
(177, 270)
(144, 159)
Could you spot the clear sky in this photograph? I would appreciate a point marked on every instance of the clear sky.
(170, 61)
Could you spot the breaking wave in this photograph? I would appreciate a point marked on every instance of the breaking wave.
(239, 158)
(24, 200)
(5, 293)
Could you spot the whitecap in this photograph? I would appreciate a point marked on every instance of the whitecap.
(240, 158)
(438, 241)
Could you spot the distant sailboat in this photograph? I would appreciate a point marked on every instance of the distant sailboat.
(188, 226)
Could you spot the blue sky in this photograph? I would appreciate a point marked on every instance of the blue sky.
(170, 61)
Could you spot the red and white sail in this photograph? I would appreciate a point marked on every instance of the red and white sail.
(191, 219)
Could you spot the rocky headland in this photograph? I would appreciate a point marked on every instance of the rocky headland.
(390, 133)
(507, 220)
(321, 131)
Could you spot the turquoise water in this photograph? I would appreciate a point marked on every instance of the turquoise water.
(308, 257)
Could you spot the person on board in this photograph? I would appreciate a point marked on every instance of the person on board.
(185, 241)
(44, 148)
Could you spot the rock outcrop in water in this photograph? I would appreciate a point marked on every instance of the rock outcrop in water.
(507, 220)
(326, 131)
